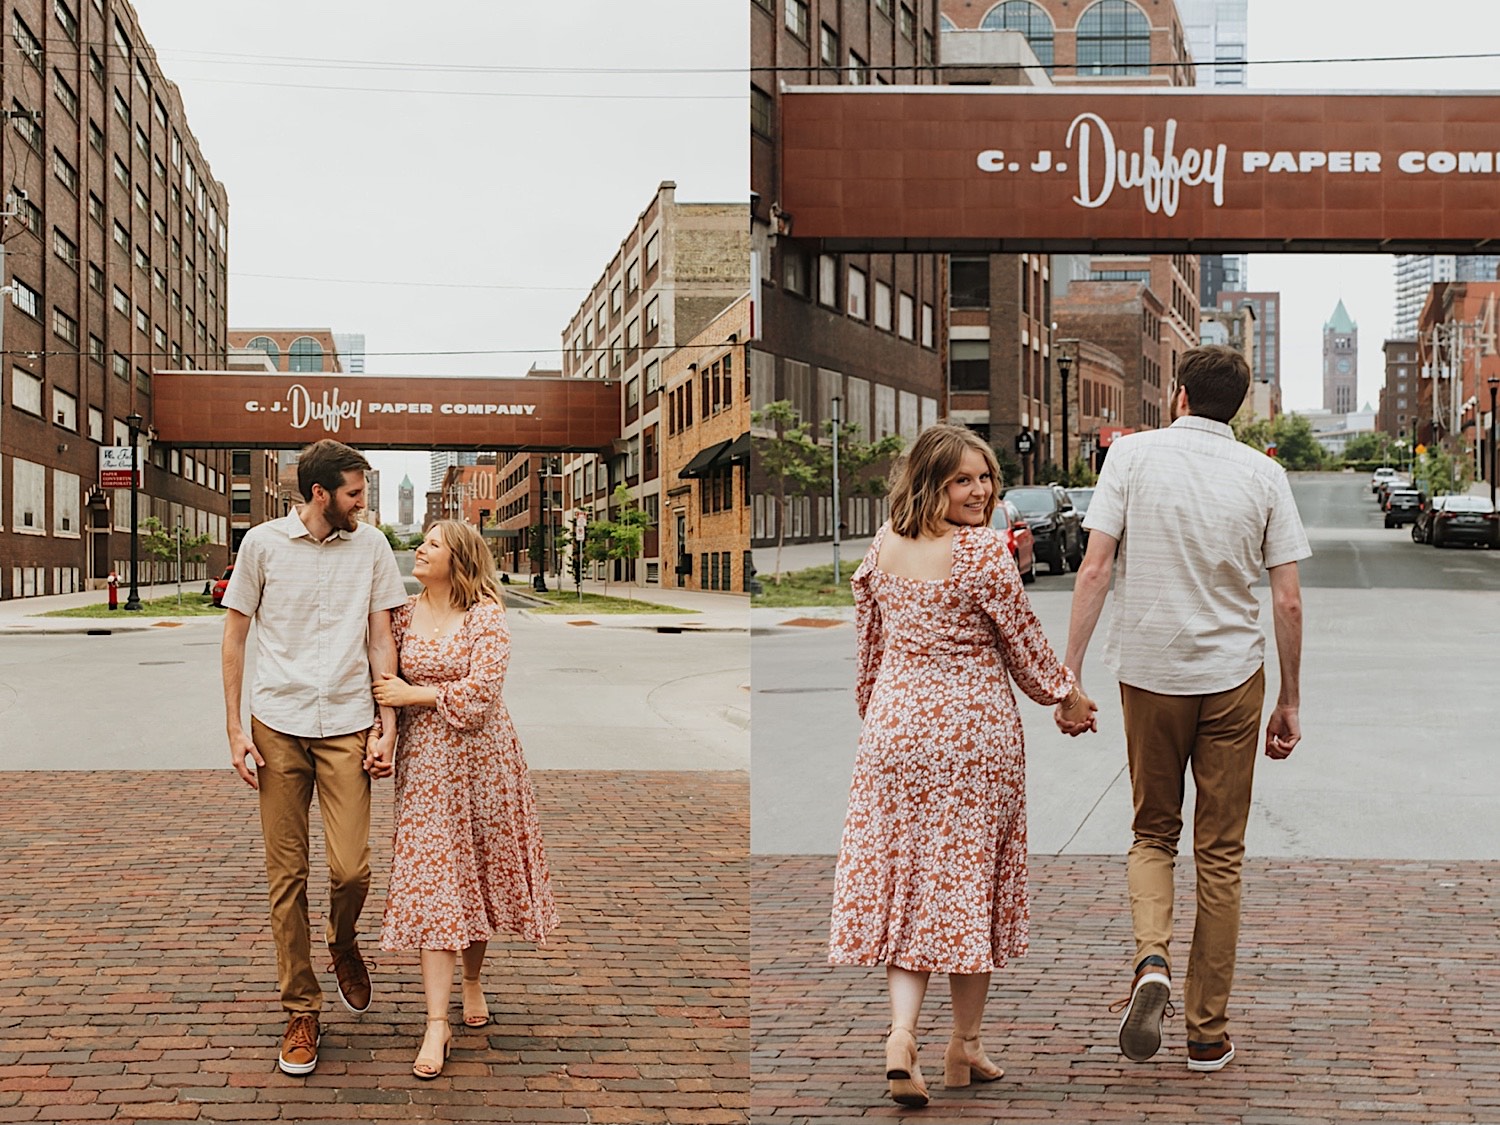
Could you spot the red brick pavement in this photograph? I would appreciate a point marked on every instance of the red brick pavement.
(137, 976)
(1366, 991)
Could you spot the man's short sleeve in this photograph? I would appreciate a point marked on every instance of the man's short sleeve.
(1106, 513)
(1285, 540)
(248, 580)
(387, 590)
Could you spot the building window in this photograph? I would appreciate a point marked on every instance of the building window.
(120, 366)
(96, 348)
(96, 137)
(66, 19)
(305, 354)
(794, 271)
(653, 377)
(907, 22)
(64, 409)
(1030, 20)
(761, 111)
(122, 107)
(122, 173)
(969, 282)
(857, 293)
(31, 46)
(926, 326)
(905, 316)
(796, 18)
(652, 312)
(25, 298)
(859, 71)
(828, 45)
(633, 276)
(96, 424)
(26, 391)
(28, 497)
(653, 251)
(633, 333)
(65, 248)
(65, 93)
(65, 326)
(882, 305)
(969, 365)
(29, 214)
(96, 209)
(828, 284)
(21, 122)
(96, 69)
(632, 393)
(615, 298)
(1114, 39)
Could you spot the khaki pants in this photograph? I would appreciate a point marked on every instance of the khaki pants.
(293, 766)
(1219, 735)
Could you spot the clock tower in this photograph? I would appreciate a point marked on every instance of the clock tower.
(1340, 362)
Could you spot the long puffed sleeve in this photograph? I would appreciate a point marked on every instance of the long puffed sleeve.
(465, 703)
(870, 630)
(993, 579)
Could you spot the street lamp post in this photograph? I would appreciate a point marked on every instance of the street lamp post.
(1494, 382)
(133, 602)
(1064, 364)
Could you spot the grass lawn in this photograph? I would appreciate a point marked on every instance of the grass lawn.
(813, 586)
(193, 605)
(566, 601)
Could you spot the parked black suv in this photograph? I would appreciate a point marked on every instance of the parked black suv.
(1055, 524)
(1403, 505)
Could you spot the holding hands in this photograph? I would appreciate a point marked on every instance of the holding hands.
(1076, 714)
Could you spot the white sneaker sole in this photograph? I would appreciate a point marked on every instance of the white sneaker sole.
(1140, 1026)
(1208, 1066)
(296, 1070)
(345, 1001)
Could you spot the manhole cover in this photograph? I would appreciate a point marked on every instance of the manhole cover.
(814, 622)
(583, 623)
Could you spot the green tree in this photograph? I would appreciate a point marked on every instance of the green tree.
(789, 457)
(397, 544)
(1439, 471)
(415, 541)
(575, 554)
(1296, 446)
(864, 466)
(161, 542)
(1373, 446)
(618, 539)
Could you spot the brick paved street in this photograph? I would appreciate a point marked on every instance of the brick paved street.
(137, 975)
(1366, 991)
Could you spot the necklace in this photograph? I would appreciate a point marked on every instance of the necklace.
(438, 628)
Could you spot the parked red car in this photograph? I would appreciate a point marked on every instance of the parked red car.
(1018, 538)
(221, 585)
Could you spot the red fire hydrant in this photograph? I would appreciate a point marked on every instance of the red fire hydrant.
(114, 590)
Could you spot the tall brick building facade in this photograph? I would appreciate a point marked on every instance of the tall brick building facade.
(676, 268)
(116, 238)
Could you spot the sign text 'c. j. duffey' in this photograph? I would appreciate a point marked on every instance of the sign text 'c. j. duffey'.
(331, 410)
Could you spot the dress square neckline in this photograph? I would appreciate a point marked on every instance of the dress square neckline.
(952, 560)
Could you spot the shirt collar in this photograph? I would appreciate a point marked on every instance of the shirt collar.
(296, 529)
(1205, 425)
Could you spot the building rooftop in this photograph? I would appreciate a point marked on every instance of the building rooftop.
(1341, 321)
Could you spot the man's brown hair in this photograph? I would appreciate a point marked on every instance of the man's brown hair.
(1216, 379)
(325, 462)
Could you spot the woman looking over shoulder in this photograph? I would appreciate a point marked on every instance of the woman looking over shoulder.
(468, 858)
(932, 868)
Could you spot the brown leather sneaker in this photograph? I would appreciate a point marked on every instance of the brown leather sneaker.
(1210, 1056)
(299, 1045)
(353, 977)
(1140, 1026)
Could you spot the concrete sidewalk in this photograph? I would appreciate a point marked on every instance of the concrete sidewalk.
(800, 556)
(702, 611)
(23, 615)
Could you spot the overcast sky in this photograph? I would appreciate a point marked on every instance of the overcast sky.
(1311, 285)
(484, 199)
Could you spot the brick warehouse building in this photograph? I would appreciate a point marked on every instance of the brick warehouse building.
(706, 465)
(1125, 318)
(116, 258)
(866, 327)
(675, 270)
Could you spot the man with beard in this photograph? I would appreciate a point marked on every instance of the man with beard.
(319, 585)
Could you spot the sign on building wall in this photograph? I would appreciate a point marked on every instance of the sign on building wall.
(271, 411)
(115, 465)
(1008, 169)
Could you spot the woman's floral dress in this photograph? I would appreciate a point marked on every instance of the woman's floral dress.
(468, 859)
(932, 868)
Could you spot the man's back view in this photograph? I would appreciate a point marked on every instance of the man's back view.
(1195, 518)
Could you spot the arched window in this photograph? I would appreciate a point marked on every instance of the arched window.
(945, 24)
(1114, 39)
(267, 345)
(1027, 18)
(305, 354)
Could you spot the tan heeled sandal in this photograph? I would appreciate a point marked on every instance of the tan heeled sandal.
(476, 1011)
(901, 1070)
(965, 1061)
(426, 1067)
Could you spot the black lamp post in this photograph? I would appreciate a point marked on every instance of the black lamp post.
(133, 602)
(1494, 382)
(1064, 365)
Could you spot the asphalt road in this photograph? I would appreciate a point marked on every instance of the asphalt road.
(596, 698)
(1399, 756)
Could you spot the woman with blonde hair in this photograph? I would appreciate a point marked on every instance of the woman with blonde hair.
(468, 857)
(932, 868)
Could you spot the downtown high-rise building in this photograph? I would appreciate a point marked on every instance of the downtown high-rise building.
(1217, 33)
(1417, 273)
(351, 348)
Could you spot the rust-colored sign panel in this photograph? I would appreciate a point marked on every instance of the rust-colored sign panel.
(1005, 169)
(271, 411)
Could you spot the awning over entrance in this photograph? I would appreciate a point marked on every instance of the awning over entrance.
(704, 460)
(738, 452)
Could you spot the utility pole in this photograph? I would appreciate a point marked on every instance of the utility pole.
(837, 427)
